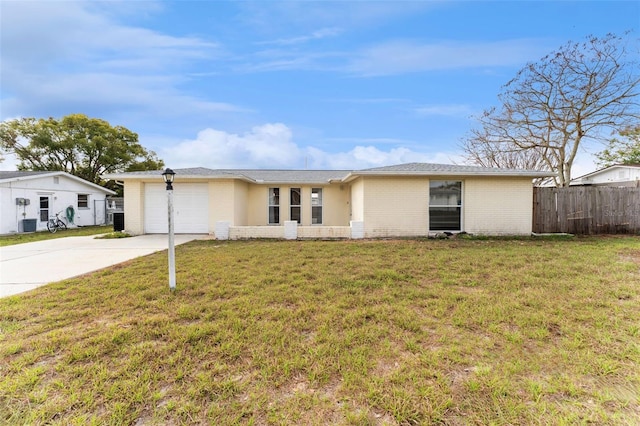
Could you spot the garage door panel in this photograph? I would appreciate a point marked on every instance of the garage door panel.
(190, 207)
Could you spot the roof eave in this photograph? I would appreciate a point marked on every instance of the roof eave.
(33, 176)
(514, 173)
(59, 173)
(125, 176)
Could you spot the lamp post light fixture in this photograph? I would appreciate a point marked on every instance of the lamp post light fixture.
(168, 176)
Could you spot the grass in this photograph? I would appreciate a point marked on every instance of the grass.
(114, 235)
(454, 332)
(30, 237)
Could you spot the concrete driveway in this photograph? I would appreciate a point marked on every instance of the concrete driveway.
(24, 267)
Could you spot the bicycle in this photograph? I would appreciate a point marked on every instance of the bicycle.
(56, 223)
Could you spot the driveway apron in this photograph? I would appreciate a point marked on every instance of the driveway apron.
(24, 267)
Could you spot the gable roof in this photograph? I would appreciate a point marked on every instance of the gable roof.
(327, 176)
(16, 176)
(8, 175)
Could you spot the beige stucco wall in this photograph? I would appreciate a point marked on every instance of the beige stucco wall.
(335, 204)
(133, 207)
(241, 195)
(498, 206)
(357, 200)
(389, 207)
(400, 206)
(395, 206)
(221, 202)
(336, 209)
(257, 205)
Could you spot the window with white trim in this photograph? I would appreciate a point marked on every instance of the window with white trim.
(445, 205)
(83, 201)
(316, 206)
(294, 204)
(44, 209)
(274, 206)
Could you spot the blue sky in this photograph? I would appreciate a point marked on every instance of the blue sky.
(279, 84)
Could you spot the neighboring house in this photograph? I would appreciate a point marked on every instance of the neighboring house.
(29, 199)
(617, 175)
(406, 200)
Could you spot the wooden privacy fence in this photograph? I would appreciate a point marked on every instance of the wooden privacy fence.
(587, 210)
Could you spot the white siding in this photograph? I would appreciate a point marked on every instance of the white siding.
(63, 193)
(615, 175)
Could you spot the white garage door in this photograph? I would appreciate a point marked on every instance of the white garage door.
(190, 208)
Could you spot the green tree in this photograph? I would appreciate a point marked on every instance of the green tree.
(552, 106)
(622, 151)
(82, 146)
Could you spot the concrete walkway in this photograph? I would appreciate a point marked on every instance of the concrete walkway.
(24, 267)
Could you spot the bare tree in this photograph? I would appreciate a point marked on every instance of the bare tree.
(581, 91)
(498, 154)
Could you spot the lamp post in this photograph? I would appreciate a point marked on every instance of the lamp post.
(168, 176)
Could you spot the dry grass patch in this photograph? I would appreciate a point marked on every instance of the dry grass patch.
(342, 332)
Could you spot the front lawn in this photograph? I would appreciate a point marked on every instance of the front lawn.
(30, 237)
(451, 332)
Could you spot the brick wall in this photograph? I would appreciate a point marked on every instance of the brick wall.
(396, 207)
(498, 206)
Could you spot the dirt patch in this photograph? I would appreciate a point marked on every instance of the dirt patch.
(631, 256)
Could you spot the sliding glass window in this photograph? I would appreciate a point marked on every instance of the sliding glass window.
(445, 205)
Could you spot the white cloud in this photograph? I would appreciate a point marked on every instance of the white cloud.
(398, 57)
(451, 110)
(282, 59)
(266, 146)
(70, 32)
(80, 58)
(274, 16)
(315, 35)
(362, 157)
(271, 146)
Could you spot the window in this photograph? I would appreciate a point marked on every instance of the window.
(316, 206)
(274, 206)
(294, 202)
(445, 205)
(44, 209)
(83, 201)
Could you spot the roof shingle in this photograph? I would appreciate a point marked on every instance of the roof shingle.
(324, 176)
